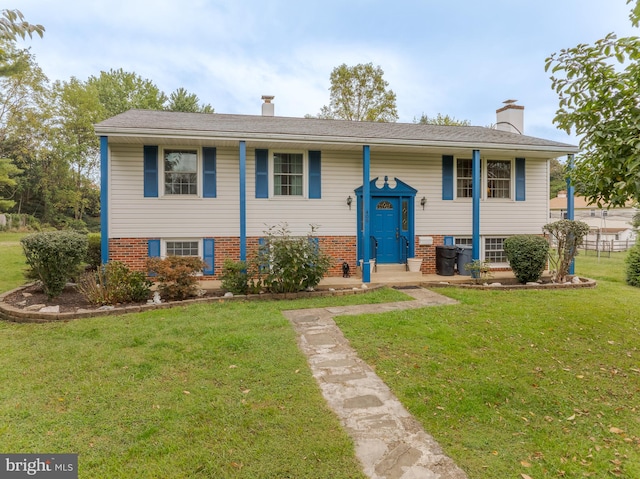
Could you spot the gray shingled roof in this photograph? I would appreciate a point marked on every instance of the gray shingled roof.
(273, 127)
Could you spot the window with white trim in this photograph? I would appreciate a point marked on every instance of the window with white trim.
(180, 167)
(494, 250)
(464, 241)
(288, 174)
(498, 179)
(464, 178)
(182, 248)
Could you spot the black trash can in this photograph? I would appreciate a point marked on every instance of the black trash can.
(445, 259)
(464, 257)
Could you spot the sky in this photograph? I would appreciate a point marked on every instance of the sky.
(461, 58)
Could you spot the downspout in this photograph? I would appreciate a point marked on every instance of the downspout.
(475, 186)
(570, 203)
(366, 200)
(243, 201)
(104, 199)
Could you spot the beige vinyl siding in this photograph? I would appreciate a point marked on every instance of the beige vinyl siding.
(131, 215)
(341, 174)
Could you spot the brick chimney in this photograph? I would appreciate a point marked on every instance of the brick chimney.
(510, 117)
(268, 108)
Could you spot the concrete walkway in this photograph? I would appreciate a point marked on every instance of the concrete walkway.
(389, 442)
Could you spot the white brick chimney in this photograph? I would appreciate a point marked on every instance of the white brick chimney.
(510, 117)
(268, 108)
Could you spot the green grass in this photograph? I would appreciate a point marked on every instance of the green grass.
(212, 390)
(12, 262)
(541, 383)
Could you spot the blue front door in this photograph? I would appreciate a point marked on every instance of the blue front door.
(385, 228)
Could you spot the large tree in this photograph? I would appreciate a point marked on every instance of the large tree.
(119, 91)
(360, 93)
(598, 89)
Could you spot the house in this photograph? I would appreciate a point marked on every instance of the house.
(608, 225)
(211, 184)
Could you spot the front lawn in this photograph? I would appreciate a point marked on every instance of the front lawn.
(213, 390)
(12, 261)
(520, 383)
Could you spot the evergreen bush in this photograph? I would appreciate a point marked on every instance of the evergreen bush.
(633, 266)
(235, 278)
(94, 251)
(54, 257)
(527, 255)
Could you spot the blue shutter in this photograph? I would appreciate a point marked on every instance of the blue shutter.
(520, 180)
(208, 248)
(150, 171)
(447, 177)
(315, 180)
(262, 173)
(153, 250)
(449, 241)
(208, 172)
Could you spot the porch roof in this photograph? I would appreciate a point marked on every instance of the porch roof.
(138, 126)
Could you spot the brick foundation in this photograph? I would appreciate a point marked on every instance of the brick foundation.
(133, 252)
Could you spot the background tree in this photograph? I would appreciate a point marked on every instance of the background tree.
(598, 86)
(119, 91)
(440, 119)
(557, 177)
(181, 100)
(7, 171)
(360, 93)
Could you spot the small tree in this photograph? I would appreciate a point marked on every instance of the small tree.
(54, 257)
(288, 264)
(527, 255)
(568, 236)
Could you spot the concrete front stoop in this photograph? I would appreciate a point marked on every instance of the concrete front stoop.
(389, 442)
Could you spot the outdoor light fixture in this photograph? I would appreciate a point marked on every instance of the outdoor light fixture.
(423, 201)
(349, 201)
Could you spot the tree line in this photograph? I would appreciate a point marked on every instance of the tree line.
(49, 153)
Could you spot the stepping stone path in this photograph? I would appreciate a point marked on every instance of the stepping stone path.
(389, 442)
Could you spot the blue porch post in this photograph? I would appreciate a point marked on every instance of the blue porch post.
(366, 203)
(570, 203)
(243, 201)
(475, 185)
(104, 199)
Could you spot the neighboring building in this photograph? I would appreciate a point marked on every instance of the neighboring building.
(211, 184)
(607, 224)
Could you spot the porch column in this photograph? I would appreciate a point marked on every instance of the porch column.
(366, 203)
(475, 186)
(104, 199)
(570, 203)
(243, 201)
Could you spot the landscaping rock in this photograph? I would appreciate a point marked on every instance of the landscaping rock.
(228, 294)
(50, 309)
(35, 307)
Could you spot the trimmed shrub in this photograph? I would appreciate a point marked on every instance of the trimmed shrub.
(176, 275)
(633, 266)
(54, 257)
(114, 283)
(288, 264)
(527, 255)
(235, 277)
(94, 251)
